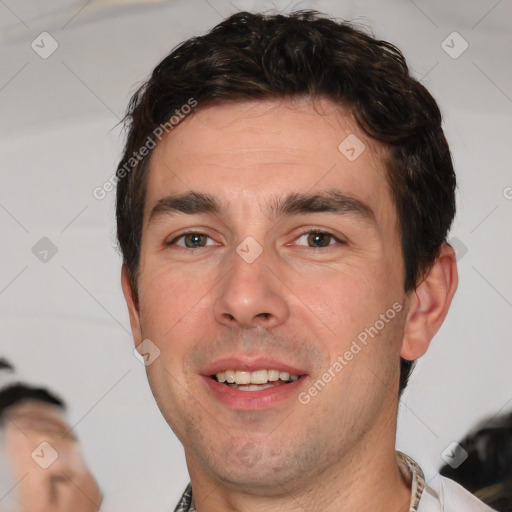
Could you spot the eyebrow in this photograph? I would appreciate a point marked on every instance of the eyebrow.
(333, 200)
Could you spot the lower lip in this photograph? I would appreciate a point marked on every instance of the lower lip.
(251, 400)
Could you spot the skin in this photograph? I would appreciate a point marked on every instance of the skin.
(66, 484)
(302, 304)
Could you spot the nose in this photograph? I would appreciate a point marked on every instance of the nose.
(251, 295)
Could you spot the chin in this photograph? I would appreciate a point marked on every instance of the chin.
(261, 479)
(256, 468)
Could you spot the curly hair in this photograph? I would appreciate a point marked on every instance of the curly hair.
(304, 54)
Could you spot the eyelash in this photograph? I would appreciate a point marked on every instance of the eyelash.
(309, 231)
(320, 232)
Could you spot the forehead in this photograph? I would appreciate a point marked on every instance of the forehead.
(30, 406)
(27, 421)
(254, 149)
(29, 413)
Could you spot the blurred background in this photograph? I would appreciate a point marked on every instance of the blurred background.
(67, 71)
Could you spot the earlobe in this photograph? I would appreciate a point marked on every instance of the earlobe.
(429, 303)
(133, 306)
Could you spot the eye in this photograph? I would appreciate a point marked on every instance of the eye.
(318, 239)
(191, 240)
(54, 490)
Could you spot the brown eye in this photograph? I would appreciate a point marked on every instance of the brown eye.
(318, 239)
(192, 240)
(195, 240)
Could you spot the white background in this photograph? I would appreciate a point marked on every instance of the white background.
(64, 323)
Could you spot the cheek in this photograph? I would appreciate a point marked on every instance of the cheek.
(175, 311)
(356, 312)
(166, 298)
(343, 301)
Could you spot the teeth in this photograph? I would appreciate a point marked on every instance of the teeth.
(273, 375)
(251, 387)
(257, 377)
(243, 377)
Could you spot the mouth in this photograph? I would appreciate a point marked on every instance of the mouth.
(257, 380)
(252, 383)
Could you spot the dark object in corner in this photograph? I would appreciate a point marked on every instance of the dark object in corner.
(487, 472)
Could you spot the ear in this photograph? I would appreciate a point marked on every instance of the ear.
(133, 306)
(429, 304)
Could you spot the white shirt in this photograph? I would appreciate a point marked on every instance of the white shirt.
(439, 494)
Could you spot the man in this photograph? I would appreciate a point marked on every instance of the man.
(41, 465)
(283, 204)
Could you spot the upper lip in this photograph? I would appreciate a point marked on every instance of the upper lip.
(249, 364)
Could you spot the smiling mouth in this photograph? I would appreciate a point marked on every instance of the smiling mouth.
(256, 380)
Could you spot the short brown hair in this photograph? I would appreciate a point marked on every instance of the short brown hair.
(257, 56)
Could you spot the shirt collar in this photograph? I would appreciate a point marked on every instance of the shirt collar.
(413, 476)
(411, 472)
(185, 503)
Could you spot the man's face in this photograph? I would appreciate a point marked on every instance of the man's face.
(45, 462)
(212, 302)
